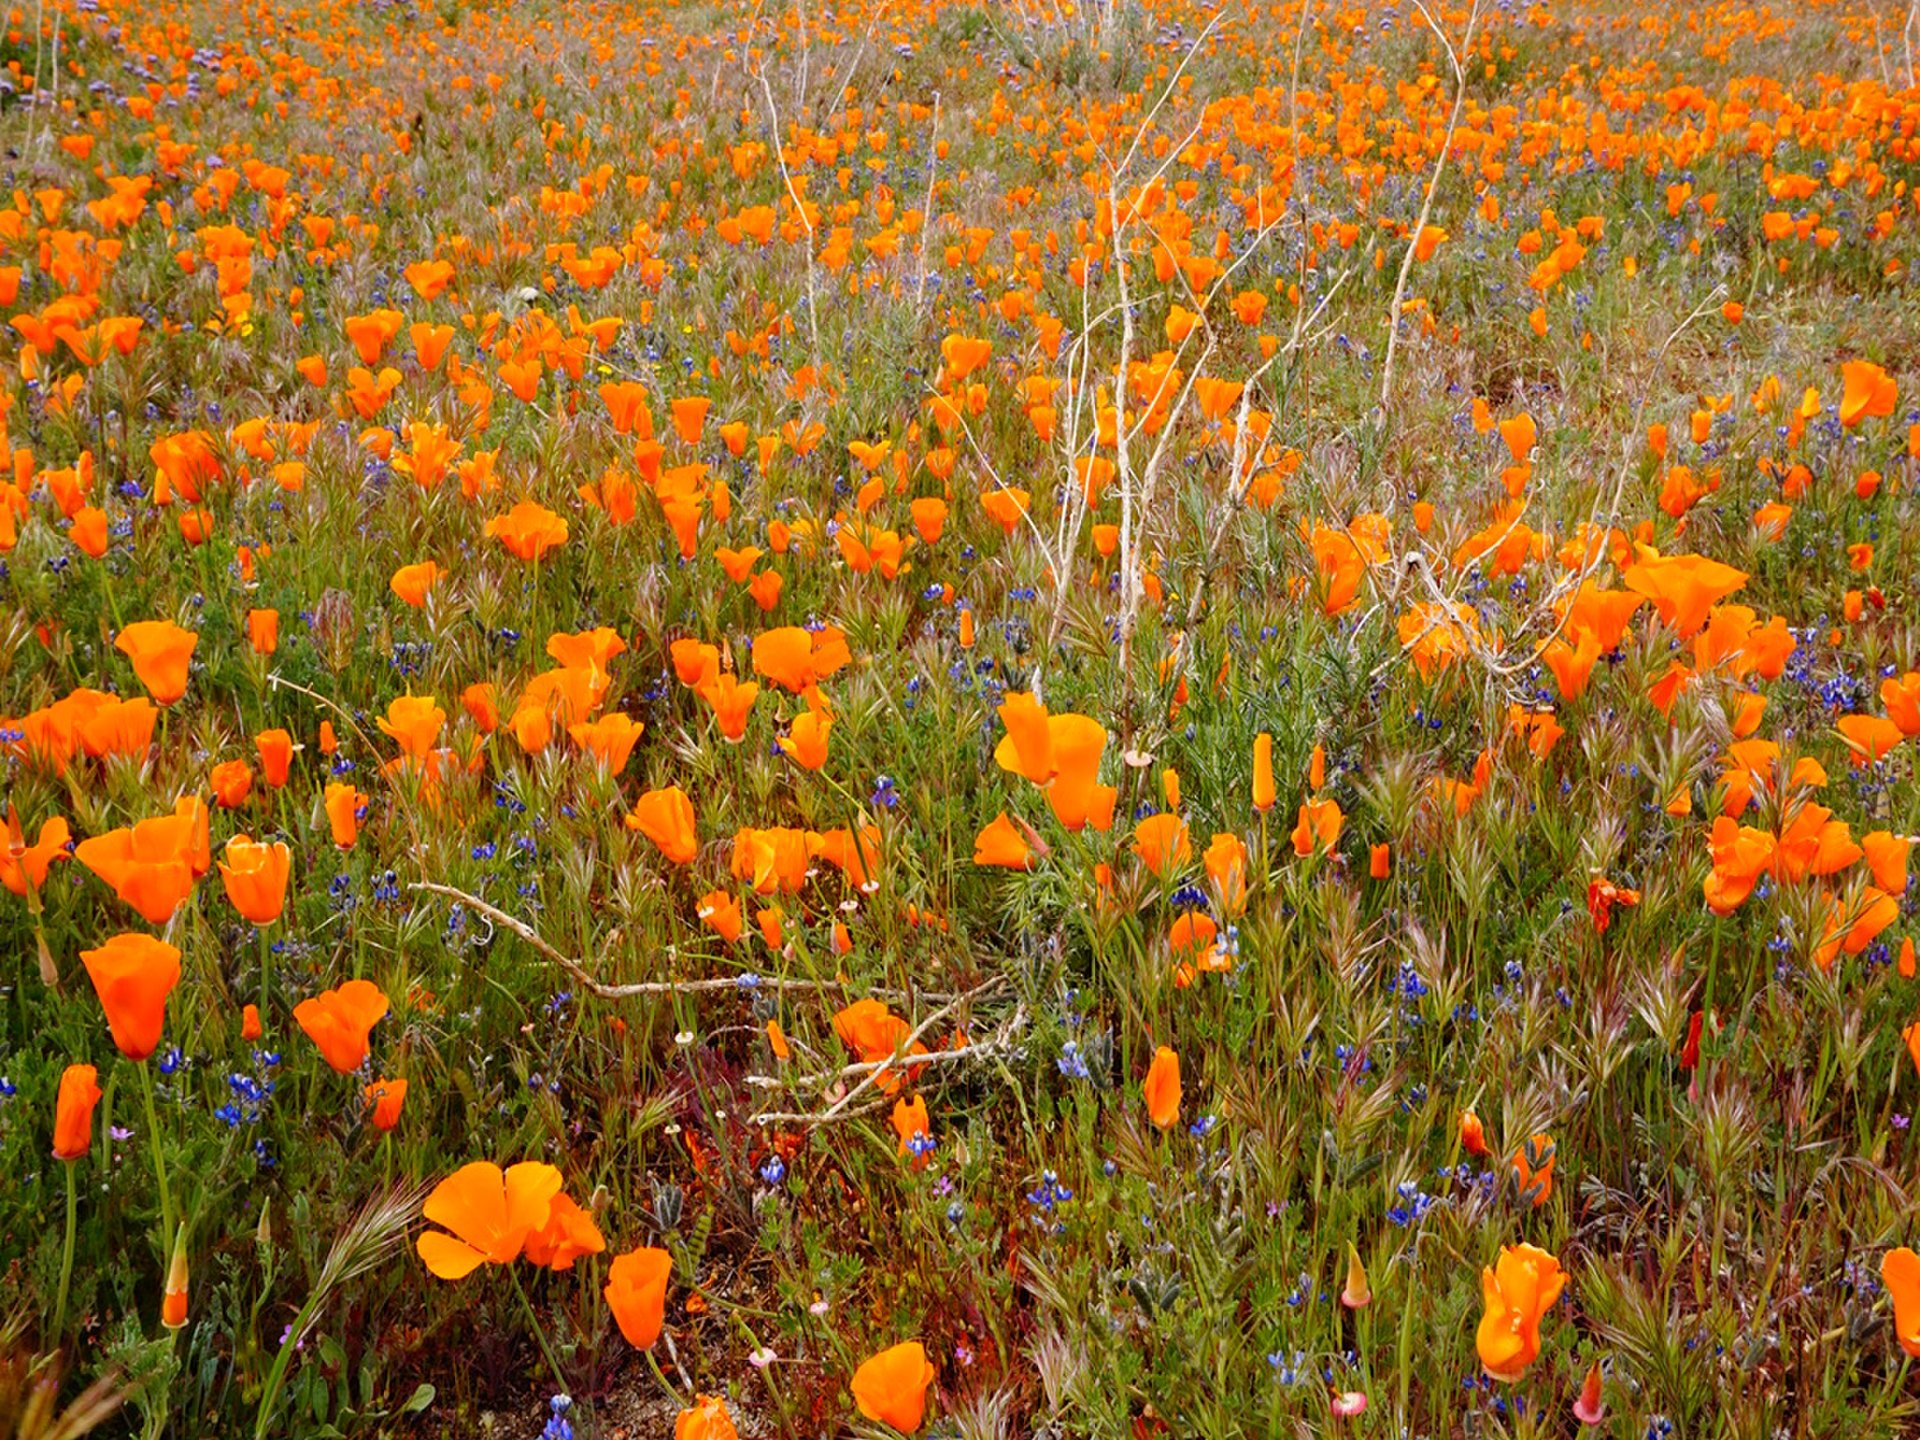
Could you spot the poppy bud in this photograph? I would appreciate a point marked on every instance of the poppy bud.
(1690, 1051)
(250, 1023)
(1357, 1294)
(173, 1305)
(1473, 1139)
(1263, 793)
(1163, 1088)
(1590, 1409)
(73, 1112)
(386, 1097)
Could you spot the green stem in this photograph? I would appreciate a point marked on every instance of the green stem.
(66, 1254)
(266, 975)
(661, 1376)
(539, 1334)
(159, 1165)
(277, 1376)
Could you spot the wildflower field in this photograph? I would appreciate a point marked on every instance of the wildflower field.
(981, 718)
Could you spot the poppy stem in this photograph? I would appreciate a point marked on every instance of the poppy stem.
(66, 1254)
(539, 1334)
(661, 1376)
(266, 974)
(159, 1161)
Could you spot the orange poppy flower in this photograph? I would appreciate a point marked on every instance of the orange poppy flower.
(231, 781)
(1741, 855)
(1430, 239)
(263, 631)
(119, 727)
(805, 742)
(1869, 392)
(1001, 846)
(1006, 506)
(414, 722)
(636, 1292)
(1226, 862)
(856, 854)
(428, 278)
(1902, 699)
(705, 1419)
(256, 878)
(870, 1030)
(133, 975)
(344, 807)
(479, 701)
(720, 912)
(73, 1111)
(772, 860)
(160, 651)
(385, 1098)
(1602, 896)
(276, 749)
(340, 1022)
(1075, 794)
(586, 650)
(891, 1387)
(914, 1129)
(1870, 738)
(1028, 747)
(89, 531)
(610, 739)
(412, 582)
(1161, 843)
(1900, 1273)
(731, 702)
(490, 1214)
(1886, 856)
(1852, 926)
(1341, 561)
(152, 865)
(666, 818)
(528, 531)
(1683, 588)
(785, 657)
(22, 865)
(1162, 1089)
(1517, 1292)
(1318, 827)
(694, 661)
(929, 518)
(690, 417)
(567, 1234)
(1532, 1166)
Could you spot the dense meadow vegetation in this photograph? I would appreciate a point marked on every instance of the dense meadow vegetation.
(988, 718)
